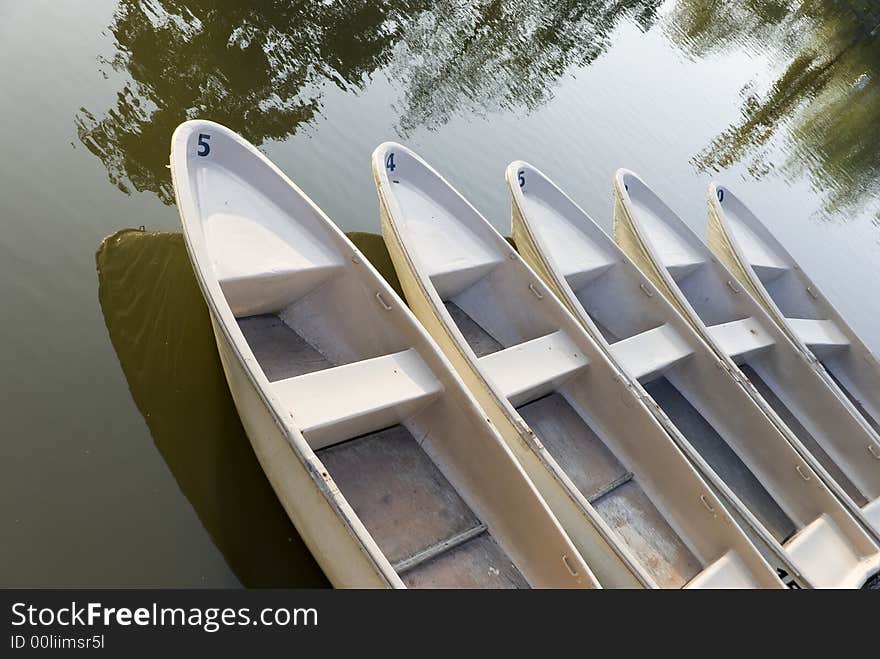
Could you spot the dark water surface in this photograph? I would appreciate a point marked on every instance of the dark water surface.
(123, 461)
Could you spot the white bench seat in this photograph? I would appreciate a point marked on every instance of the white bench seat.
(534, 368)
(740, 339)
(822, 551)
(871, 512)
(347, 401)
(647, 355)
(726, 572)
(821, 336)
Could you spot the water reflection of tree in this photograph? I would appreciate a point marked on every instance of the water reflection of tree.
(501, 54)
(825, 104)
(257, 67)
(260, 67)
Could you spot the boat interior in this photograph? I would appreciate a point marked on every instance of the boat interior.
(655, 345)
(347, 365)
(795, 301)
(536, 357)
(718, 305)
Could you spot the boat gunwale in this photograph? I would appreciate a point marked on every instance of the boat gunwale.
(212, 294)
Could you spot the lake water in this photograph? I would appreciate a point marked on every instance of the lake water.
(123, 462)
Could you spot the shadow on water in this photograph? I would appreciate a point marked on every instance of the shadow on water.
(825, 105)
(260, 68)
(161, 332)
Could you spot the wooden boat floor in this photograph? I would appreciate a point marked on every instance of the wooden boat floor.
(281, 352)
(726, 463)
(803, 435)
(611, 488)
(480, 341)
(415, 515)
(477, 563)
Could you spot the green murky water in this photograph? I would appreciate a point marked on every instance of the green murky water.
(123, 460)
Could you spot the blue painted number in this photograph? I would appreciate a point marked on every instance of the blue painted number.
(389, 162)
(522, 179)
(204, 147)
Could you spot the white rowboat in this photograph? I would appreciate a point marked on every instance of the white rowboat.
(760, 262)
(629, 499)
(805, 531)
(384, 462)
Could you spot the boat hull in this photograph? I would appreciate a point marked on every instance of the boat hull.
(855, 367)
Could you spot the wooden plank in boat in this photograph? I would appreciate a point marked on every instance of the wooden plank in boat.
(480, 341)
(822, 336)
(478, 563)
(648, 535)
(721, 457)
(281, 352)
(398, 493)
(573, 444)
(803, 435)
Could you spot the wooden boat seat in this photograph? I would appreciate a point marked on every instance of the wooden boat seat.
(725, 572)
(649, 354)
(821, 550)
(332, 405)
(677, 255)
(679, 258)
(769, 272)
(534, 368)
(821, 336)
(741, 339)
